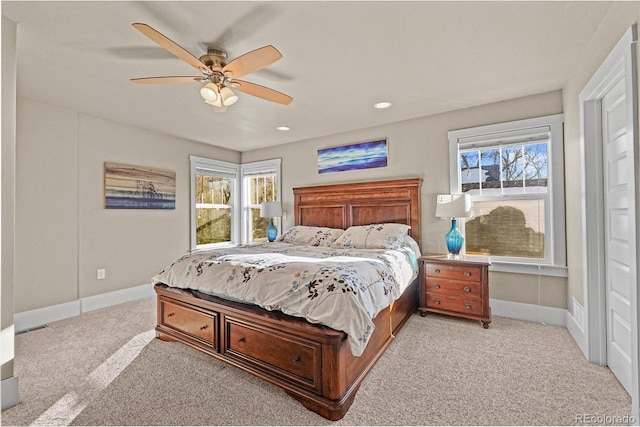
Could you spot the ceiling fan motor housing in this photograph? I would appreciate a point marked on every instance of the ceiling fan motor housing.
(215, 59)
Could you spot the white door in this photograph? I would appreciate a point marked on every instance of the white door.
(620, 231)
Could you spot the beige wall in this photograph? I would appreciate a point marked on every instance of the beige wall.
(420, 148)
(7, 168)
(63, 232)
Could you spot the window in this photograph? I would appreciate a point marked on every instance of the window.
(514, 174)
(214, 196)
(261, 183)
(226, 199)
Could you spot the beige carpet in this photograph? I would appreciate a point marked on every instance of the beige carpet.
(105, 368)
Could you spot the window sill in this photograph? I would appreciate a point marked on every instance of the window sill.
(534, 269)
(213, 246)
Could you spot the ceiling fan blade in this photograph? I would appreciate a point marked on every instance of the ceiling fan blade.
(261, 92)
(169, 79)
(172, 47)
(252, 61)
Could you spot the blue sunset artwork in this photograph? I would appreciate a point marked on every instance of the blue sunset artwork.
(364, 155)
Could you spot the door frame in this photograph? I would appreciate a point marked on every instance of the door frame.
(621, 62)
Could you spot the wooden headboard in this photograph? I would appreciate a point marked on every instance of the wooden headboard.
(361, 203)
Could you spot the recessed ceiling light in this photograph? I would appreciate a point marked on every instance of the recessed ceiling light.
(283, 128)
(382, 105)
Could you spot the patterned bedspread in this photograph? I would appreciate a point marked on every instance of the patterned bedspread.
(340, 288)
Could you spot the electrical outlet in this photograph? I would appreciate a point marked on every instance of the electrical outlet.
(101, 274)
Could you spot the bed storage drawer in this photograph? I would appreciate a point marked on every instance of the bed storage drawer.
(293, 357)
(187, 320)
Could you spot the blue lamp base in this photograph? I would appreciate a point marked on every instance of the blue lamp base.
(454, 240)
(272, 231)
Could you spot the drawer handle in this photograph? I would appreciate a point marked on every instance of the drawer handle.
(467, 273)
(202, 328)
(467, 306)
(241, 340)
(437, 286)
(171, 314)
(437, 301)
(467, 289)
(297, 360)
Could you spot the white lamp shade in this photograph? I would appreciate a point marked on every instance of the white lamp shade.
(209, 92)
(228, 97)
(270, 209)
(453, 206)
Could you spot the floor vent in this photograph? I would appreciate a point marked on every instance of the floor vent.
(32, 329)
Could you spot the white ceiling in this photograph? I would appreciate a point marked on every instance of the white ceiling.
(339, 58)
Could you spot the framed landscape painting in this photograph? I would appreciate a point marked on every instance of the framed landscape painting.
(363, 155)
(138, 187)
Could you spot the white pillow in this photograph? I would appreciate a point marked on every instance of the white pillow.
(312, 236)
(410, 241)
(373, 236)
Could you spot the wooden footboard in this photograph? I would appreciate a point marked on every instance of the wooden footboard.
(312, 363)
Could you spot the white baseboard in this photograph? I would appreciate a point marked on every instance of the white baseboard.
(9, 393)
(533, 313)
(118, 297)
(577, 333)
(529, 312)
(39, 317)
(576, 326)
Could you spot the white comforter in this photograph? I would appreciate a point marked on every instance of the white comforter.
(340, 288)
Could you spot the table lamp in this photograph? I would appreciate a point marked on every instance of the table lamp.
(269, 210)
(453, 206)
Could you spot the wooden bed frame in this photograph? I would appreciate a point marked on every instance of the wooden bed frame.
(313, 363)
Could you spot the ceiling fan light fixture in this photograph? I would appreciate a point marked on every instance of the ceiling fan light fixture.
(227, 96)
(209, 92)
(217, 103)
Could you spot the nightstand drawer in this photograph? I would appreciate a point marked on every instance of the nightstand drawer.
(455, 303)
(457, 272)
(457, 287)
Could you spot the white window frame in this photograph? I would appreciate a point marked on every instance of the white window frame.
(554, 263)
(218, 168)
(263, 167)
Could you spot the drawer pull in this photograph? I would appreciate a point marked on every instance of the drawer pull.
(467, 306)
(437, 301)
(437, 270)
(467, 289)
(242, 339)
(202, 328)
(297, 360)
(467, 273)
(437, 286)
(171, 314)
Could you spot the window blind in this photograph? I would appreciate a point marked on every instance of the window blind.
(532, 135)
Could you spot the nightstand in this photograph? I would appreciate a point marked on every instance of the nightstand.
(457, 287)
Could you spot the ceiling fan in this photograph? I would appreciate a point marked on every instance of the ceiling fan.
(218, 73)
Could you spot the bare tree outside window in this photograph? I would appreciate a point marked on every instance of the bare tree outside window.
(513, 226)
(262, 188)
(213, 209)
